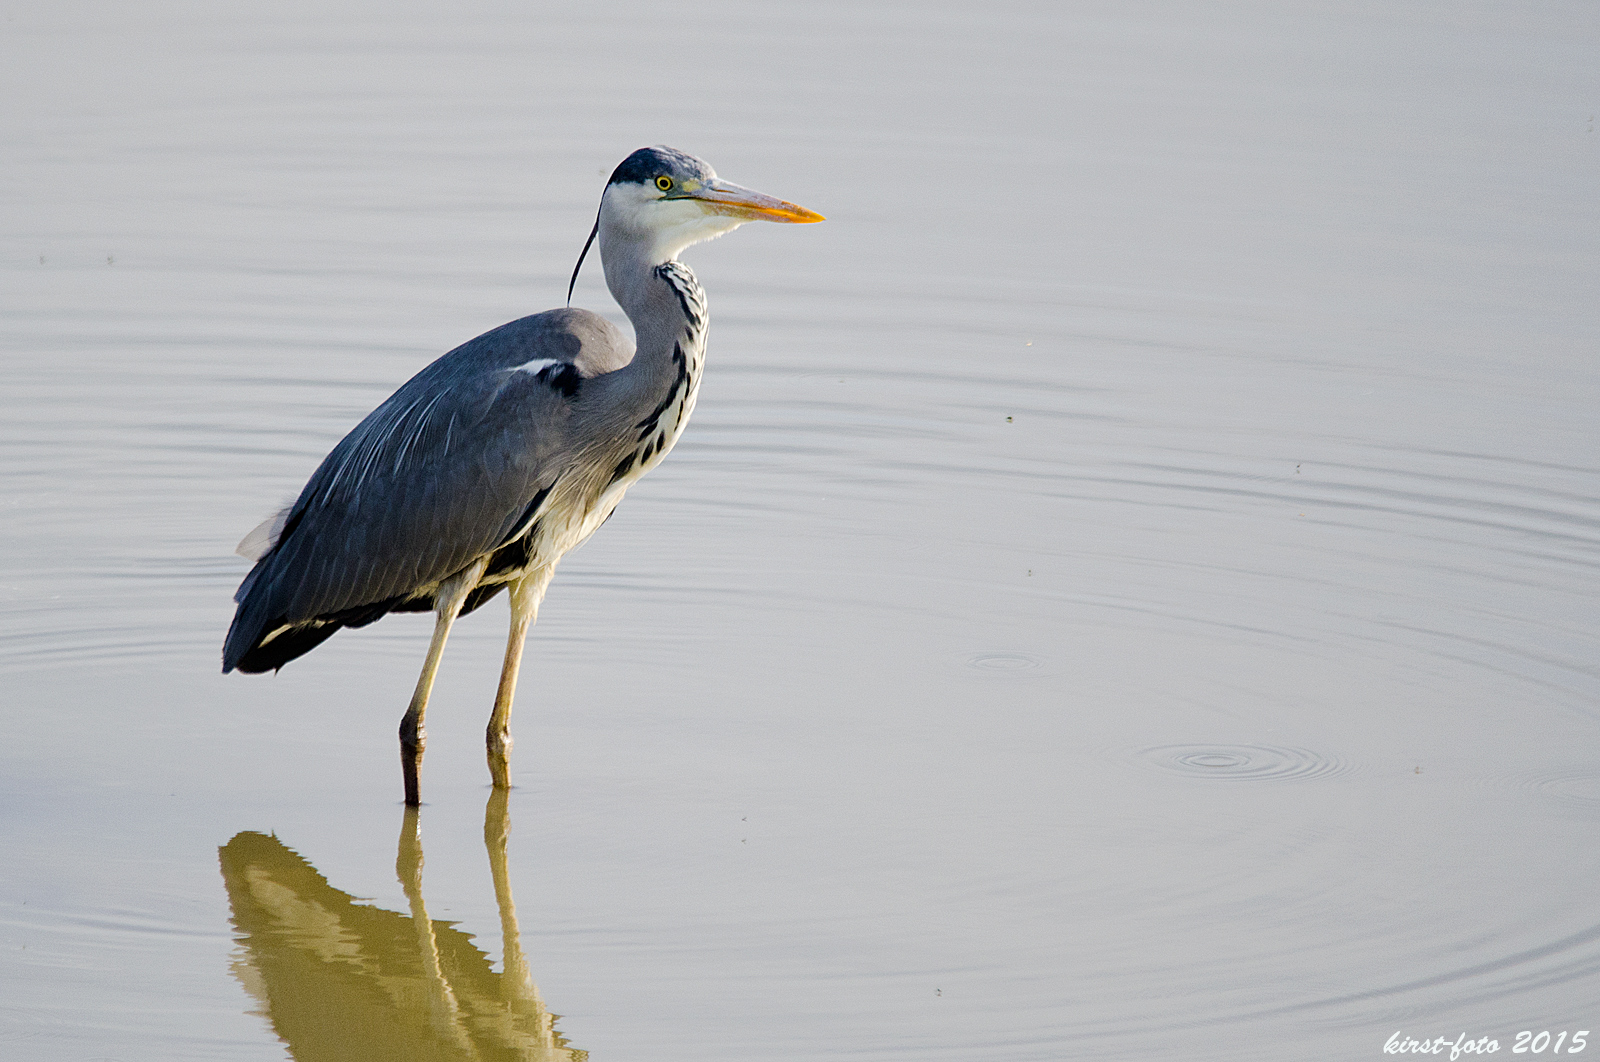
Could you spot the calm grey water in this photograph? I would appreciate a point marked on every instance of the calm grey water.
(1129, 590)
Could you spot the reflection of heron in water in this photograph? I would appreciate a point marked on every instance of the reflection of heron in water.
(345, 980)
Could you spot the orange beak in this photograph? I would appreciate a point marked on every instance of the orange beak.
(721, 197)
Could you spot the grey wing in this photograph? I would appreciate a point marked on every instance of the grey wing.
(448, 469)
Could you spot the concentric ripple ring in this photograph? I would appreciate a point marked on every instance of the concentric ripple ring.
(1254, 763)
(1003, 662)
(1572, 787)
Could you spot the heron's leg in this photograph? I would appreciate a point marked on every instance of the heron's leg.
(526, 593)
(448, 600)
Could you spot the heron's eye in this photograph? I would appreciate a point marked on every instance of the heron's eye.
(664, 183)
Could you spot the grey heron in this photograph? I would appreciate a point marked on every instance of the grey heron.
(482, 470)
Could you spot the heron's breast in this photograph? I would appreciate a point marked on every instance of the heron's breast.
(591, 489)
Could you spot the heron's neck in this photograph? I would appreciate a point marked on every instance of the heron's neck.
(656, 391)
(689, 330)
(668, 309)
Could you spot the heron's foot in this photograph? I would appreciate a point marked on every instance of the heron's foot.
(500, 743)
(412, 745)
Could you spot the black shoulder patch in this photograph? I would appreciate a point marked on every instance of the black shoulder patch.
(563, 377)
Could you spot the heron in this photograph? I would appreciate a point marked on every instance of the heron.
(484, 469)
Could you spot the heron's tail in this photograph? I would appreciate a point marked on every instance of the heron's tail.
(261, 638)
(255, 655)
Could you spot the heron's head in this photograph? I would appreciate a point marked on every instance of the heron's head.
(666, 200)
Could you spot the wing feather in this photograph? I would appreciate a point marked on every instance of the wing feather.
(432, 479)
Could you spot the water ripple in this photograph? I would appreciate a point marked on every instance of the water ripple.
(1004, 662)
(1255, 763)
(1571, 787)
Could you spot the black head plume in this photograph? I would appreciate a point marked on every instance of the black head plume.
(583, 254)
